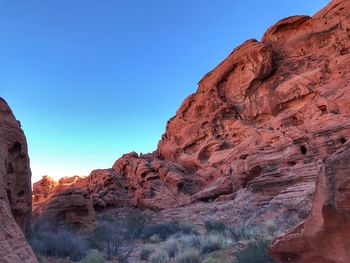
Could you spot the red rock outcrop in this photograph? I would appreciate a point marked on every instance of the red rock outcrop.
(43, 188)
(269, 111)
(64, 200)
(253, 134)
(15, 190)
(324, 236)
(73, 206)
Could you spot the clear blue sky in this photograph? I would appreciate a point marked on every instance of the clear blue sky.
(92, 79)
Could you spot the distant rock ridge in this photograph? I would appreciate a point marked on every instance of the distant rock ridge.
(254, 135)
(15, 190)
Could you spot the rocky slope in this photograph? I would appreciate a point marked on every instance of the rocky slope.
(15, 190)
(324, 236)
(253, 136)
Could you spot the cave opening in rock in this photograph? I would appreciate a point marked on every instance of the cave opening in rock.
(16, 148)
(303, 150)
(10, 168)
(323, 109)
(291, 163)
(342, 140)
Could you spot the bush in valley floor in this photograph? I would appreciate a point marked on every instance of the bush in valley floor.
(188, 256)
(214, 226)
(111, 236)
(117, 236)
(212, 243)
(186, 248)
(220, 256)
(180, 246)
(146, 251)
(94, 256)
(61, 243)
(159, 257)
(268, 230)
(257, 250)
(163, 231)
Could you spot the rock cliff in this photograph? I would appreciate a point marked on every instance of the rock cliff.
(252, 138)
(15, 190)
(324, 236)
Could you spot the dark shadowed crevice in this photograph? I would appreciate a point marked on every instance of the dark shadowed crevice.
(303, 150)
(16, 148)
(342, 140)
(253, 173)
(10, 168)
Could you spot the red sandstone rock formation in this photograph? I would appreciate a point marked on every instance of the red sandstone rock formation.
(15, 190)
(43, 188)
(253, 134)
(66, 200)
(73, 206)
(324, 236)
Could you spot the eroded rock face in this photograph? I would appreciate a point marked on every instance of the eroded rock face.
(15, 190)
(253, 134)
(270, 111)
(43, 188)
(72, 206)
(324, 236)
(155, 183)
(17, 174)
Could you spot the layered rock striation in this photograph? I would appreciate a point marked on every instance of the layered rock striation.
(15, 190)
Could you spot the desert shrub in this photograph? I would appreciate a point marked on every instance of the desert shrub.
(117, 235)
(212, 260)
(46, 259)
(105, 217)
(39, 225)
(188, 256)
(94, 256)
(163, 231)
(237, 233)
(217, 258)
(210, 247)
(214, 226)
(211, 243)
(61, 243)
(101, 234)
(189, 240)
(271, 228)
(203, 244)
(262, 231)
(134, 223)
(146, 251)
(159, 257)
(255, 250)
(172, 247)
(254, 231)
